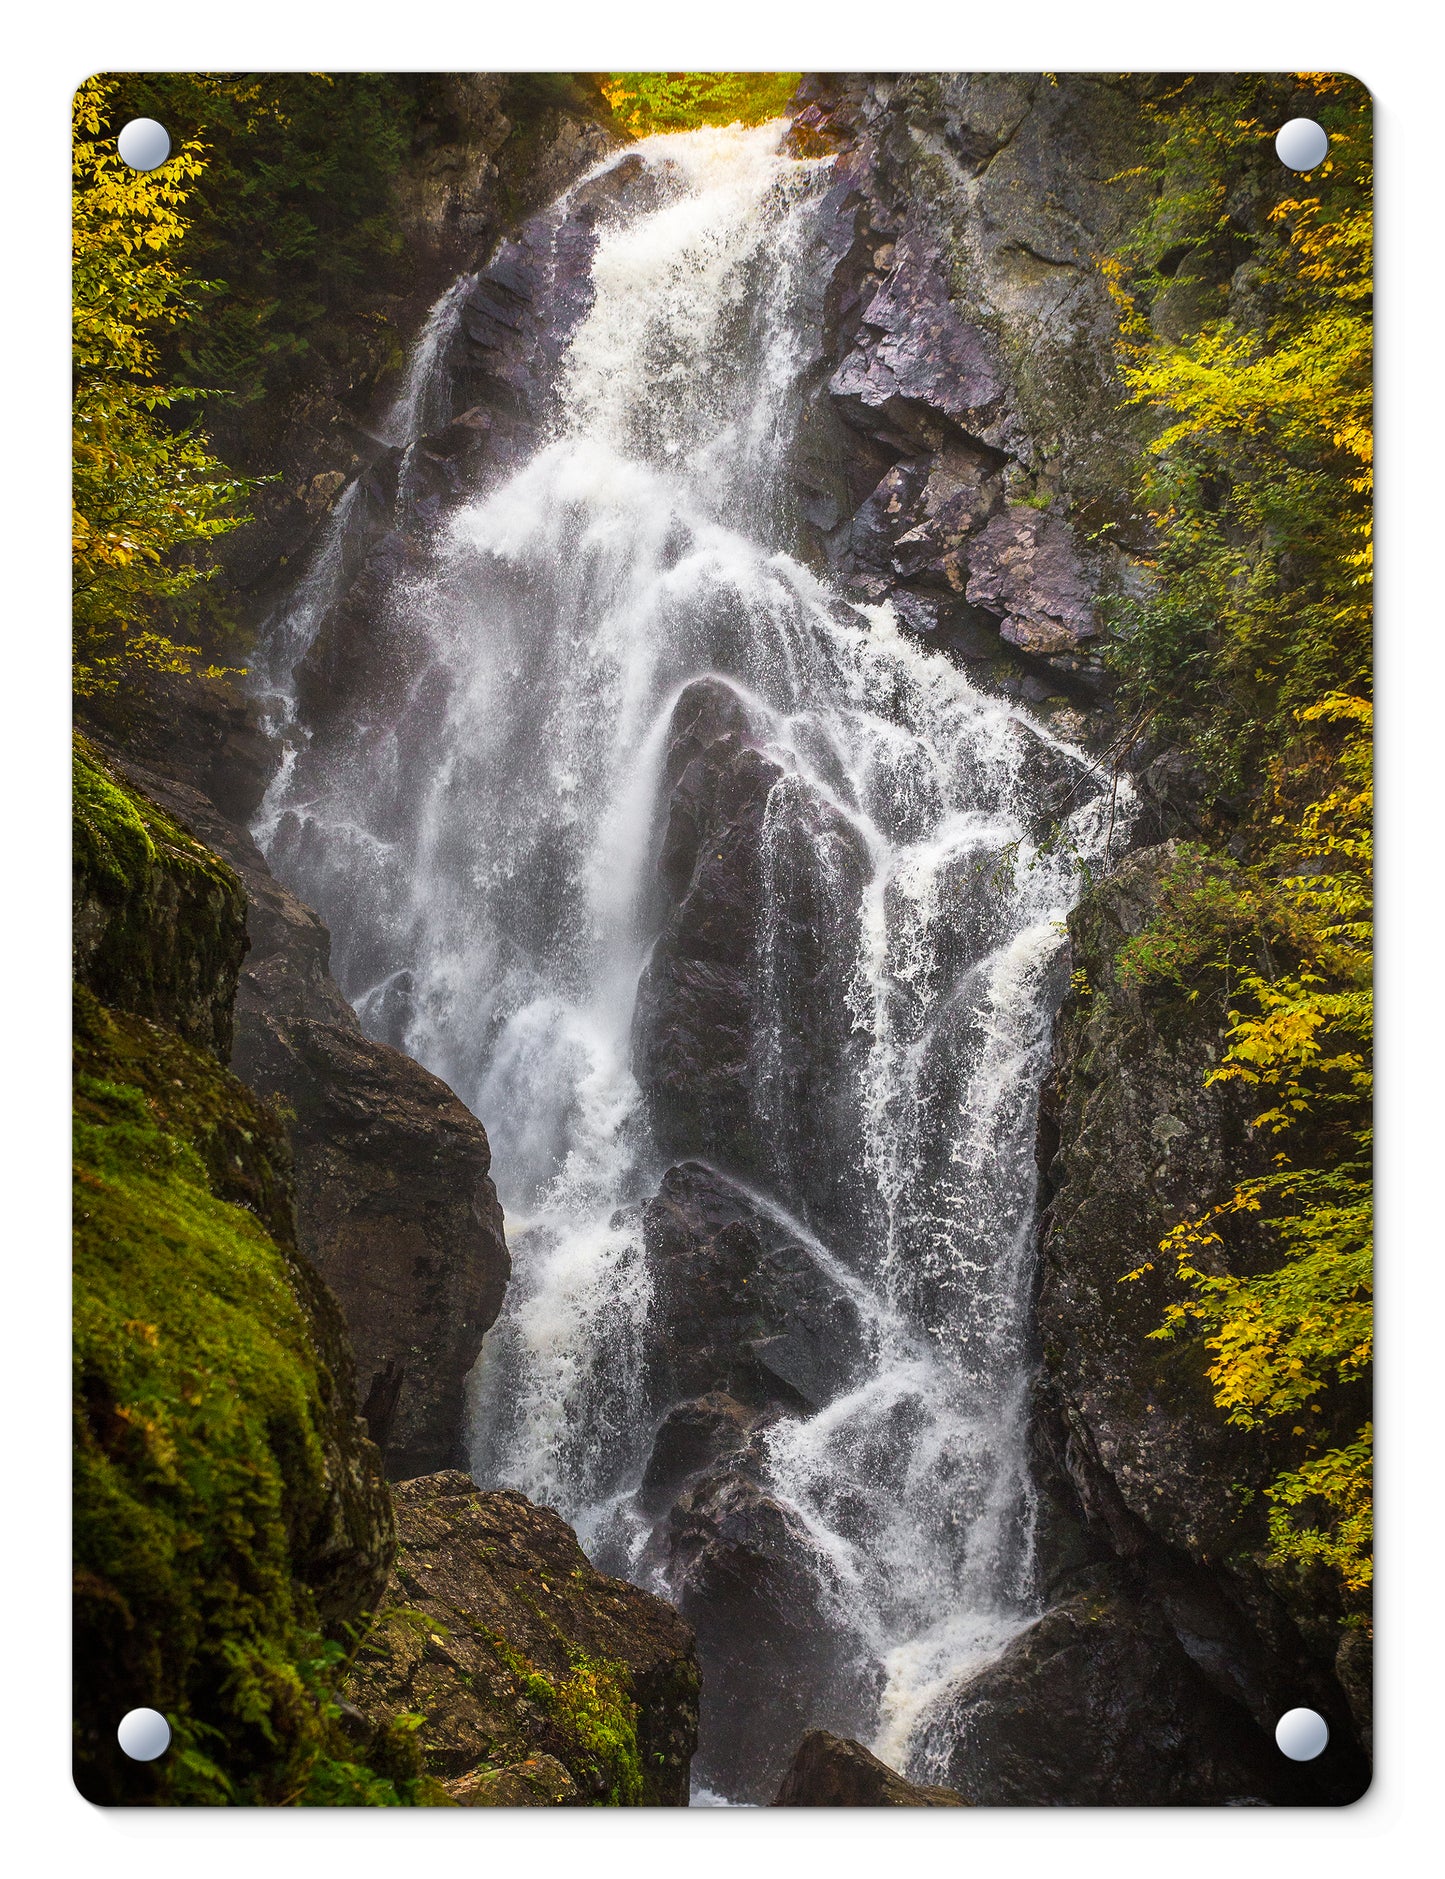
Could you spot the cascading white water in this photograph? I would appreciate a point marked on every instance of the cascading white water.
(487, 856)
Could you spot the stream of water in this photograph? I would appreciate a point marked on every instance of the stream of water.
(486, 856)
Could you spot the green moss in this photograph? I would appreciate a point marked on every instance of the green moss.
(160, 922)
(200, 1401)
(593, 1714)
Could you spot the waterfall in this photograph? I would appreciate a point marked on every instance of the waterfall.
(483, 832)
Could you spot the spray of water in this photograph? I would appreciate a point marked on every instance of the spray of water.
(486, 857)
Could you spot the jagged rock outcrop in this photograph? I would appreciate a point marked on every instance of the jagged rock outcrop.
(833, 1771)
(394, 1200)
(964, 449)
(542, 1681)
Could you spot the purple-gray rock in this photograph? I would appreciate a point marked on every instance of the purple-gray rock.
(1024, 568)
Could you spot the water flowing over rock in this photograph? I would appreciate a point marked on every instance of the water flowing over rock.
(724, 902)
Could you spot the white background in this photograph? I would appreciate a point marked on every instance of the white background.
(44, 1826)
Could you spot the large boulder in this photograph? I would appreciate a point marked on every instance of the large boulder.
(833, 1771)
(1098, 1705)
(740, 1567)
(397, 1212)
(541, 1681)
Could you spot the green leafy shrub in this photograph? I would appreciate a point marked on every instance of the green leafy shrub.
(148, 496)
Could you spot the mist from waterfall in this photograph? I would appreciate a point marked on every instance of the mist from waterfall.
(487, 859)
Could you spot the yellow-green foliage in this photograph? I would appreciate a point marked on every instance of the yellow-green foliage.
(649, 102)
(1253, 650)
(596, 1718)
(1299, 1034)
(146, 494)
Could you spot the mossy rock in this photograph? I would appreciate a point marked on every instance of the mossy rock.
(159, 921)
(542, 1682)
(231, 1524)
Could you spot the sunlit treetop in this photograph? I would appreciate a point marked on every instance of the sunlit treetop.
(649, 102)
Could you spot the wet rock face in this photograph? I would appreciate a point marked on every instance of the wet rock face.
(1024, 567)
(743, 1038)
(735, 1561)
(832, 1771)
(748, 1327)
(696, 1026)
(743, 1312)
(543, 1682)
(394, 1200)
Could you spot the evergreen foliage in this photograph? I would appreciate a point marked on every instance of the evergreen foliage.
(287, 216)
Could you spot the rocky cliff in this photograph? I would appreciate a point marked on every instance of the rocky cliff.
(965, 452)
